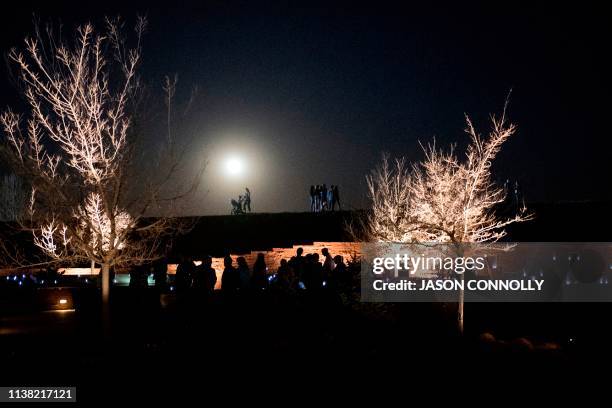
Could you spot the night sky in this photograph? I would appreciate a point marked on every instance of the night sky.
(314, 94)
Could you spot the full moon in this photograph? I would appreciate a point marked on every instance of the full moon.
(234, 166)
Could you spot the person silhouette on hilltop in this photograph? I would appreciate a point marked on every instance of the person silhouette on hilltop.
(247, 200)
(324, 198)
(336, 197)
(313, 200)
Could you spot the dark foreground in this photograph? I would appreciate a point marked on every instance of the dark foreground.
(260, 345)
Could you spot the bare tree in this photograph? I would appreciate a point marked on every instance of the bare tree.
(443, 199)
(389, 188)
(77, 149)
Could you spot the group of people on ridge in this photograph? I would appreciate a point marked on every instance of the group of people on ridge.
(323, 198)
(243, 204)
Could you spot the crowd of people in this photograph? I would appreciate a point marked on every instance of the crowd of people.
(323, 198)
(301, 272)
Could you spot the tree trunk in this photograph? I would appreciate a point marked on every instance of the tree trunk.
(105, 300)
(460, 252)
(460, 306)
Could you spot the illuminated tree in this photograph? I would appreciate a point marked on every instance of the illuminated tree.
(389, 191)
(443, 199)
(91, 197)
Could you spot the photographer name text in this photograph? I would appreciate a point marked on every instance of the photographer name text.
(456, 284)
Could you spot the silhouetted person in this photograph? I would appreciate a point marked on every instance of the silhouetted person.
(330, 198)
(283, 269)
(328, 263)
(336, 197)
(319, 201)
(313, 274)
(297, 262)
(160, 274)
(230, 281)
(205, 277)
(184, 274)
(259, 279)
(285, 277)
(244, 273)
(313, 200)
(247, 200)
(341, 275)
(323, 194)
